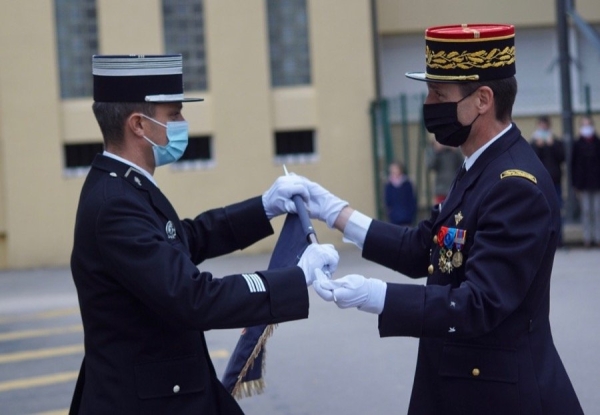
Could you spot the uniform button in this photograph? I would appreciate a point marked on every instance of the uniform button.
(113, 174)
(475, 372)
(435, 239)
(430, 269)
(176, 389)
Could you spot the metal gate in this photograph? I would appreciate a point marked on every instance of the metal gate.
(398, 134)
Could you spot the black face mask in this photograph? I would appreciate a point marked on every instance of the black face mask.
(442, 121)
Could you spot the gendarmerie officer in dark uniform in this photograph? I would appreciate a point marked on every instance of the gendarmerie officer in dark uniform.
(483, 318)
(144, 303)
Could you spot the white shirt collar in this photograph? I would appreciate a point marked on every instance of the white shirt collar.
(469, 161)
(135, 166)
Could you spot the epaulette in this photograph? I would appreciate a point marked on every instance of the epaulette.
(518, 173)
(134, 177)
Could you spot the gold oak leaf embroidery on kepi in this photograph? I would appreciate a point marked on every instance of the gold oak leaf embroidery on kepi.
(467, 60)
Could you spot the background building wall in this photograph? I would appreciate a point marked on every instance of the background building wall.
(35, 199)
(402, 16)
(402, 26)
(241, 112)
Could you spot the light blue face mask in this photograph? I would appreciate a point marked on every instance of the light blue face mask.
(177, 134)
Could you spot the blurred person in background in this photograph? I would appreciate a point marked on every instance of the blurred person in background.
(444, 161)
(551, 152)
(585, 170)
(400, 200)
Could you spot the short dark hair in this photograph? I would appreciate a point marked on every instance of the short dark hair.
(505, 92)
(587, 117)
(111, 118)
(399, 164)
(544, 119)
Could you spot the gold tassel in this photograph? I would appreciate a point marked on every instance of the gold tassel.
(253, 387)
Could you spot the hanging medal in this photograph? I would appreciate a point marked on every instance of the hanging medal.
(442, 261)
(448, 244)
(440, 240)
(459, 242)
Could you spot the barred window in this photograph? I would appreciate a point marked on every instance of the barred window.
(78, 158)
(288, 42)
(183, 22)
(81, 155)
(297, 146)
(77, 41)
(197, 155)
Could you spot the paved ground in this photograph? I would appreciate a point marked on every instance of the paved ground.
(332, 363)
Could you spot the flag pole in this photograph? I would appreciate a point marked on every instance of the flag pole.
(307, 227)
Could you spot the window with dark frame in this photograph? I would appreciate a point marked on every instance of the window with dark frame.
(291, 143)
(198, 149)
(81, 155)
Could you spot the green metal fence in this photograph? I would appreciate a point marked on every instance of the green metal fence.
(398, 134)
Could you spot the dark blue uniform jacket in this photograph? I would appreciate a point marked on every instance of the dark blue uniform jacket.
(145, 304)
(485, 341)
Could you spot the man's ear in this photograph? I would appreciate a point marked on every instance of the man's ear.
(485, 99)
(134, 123)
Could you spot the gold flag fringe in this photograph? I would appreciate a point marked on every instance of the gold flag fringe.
(253, 387)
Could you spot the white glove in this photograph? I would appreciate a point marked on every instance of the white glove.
(367, 294)
(322, 204)
(320, 258)
(278, 199)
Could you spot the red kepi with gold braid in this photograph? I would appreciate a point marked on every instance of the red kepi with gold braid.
(475, 52)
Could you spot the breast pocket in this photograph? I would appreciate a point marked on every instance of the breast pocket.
(169, 384)
(475, 379)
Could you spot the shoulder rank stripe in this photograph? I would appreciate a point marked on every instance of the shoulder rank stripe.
(518, 173)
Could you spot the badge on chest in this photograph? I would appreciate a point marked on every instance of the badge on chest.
(451, 242)
(170, 230)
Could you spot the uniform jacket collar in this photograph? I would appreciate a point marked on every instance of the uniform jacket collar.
(140, 182)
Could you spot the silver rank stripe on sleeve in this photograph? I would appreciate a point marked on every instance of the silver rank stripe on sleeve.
(255, 283)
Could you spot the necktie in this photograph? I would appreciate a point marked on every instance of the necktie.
(461, 173)
(459, 176)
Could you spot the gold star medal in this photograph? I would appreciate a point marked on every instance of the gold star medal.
(458, 217)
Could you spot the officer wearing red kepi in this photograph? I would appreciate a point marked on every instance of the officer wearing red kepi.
(483, 317)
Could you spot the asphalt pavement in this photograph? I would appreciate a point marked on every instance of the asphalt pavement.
(332, 363)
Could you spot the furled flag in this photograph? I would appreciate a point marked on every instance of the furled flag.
(243, 376)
